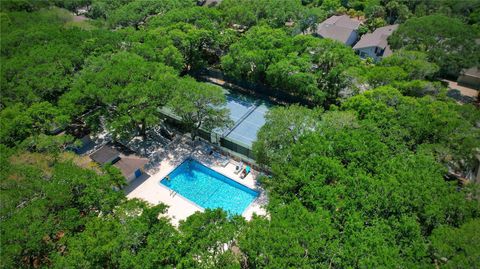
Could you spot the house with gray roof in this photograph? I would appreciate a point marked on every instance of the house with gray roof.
(340, 28)
(208, 3)
(375, 45)
(105, 155)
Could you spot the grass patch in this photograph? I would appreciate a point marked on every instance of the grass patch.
(84, 25)
(69, 19)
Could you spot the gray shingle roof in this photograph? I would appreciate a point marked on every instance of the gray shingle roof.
(338, 28)
(208, 3)
(105, 154)
(377, 39)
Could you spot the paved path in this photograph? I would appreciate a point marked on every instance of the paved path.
(461, 93)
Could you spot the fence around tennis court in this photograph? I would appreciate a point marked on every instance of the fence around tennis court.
(248, 117)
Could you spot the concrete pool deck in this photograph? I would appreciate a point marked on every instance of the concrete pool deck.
(149, 189)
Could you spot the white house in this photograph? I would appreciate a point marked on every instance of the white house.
(341, 28)
(375, 45)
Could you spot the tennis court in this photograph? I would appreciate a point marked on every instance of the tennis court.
(245, 131)
(248, 115)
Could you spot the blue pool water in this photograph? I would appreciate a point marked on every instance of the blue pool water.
(209, 189)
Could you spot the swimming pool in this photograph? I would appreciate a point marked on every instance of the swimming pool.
(209, 189)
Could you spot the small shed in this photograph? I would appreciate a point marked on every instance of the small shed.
(105, 154)
(470, 78)
(131, 168)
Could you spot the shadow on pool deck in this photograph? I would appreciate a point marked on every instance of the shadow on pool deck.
(175, 155)
(135, 183)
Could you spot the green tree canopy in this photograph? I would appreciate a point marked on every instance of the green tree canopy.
(303, 65)
(125, 90)
(415, 63)
(447, 41)
(55, 202)
(457, 247)
(284, 126)
(20, 122)
(136, 12)
(200, 106)
(250, 12)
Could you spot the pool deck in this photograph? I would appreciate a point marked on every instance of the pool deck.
(148, 187)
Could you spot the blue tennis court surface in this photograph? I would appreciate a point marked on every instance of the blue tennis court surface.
(238, 107)
(246, 130)
(248, 115)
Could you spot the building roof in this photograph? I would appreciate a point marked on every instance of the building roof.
(471, 72)
(337, 27)
(128, 165)
(104, 155)
(208, 3)
(377, 39)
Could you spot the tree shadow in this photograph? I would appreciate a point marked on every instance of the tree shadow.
(262, 199)
(176, 152)
(458, 96)
(135, 183)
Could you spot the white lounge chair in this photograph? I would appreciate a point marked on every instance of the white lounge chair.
(238, 168)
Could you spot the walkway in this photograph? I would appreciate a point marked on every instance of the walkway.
(462, 94)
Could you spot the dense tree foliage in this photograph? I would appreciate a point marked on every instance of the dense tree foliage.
(425, 123)
(284, 126)
(250, 12)
(123, 89)
(302, 65)
(374, 168)
(359, 181)
(448, 42)
(40, 56)
(200, 106)
(409, 71)
(457, 247)
(43, 202)
(136, 12)
(132, 13)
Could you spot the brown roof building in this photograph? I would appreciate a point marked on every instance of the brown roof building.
(105, 154)
(131, 168)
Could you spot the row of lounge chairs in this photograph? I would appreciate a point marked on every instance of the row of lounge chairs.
(223, 161)
(243, 171)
